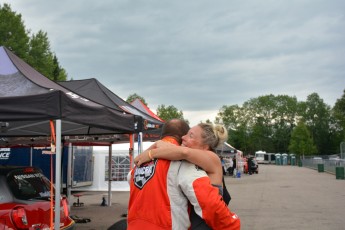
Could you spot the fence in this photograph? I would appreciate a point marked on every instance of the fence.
(328, 164)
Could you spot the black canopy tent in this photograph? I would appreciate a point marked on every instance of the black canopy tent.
(92, 89)
(149, 134)
(29, 101)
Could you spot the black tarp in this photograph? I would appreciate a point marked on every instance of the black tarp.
(29, 100)
(137, 103)
(92, 89)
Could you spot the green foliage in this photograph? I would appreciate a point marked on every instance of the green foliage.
(35, 50)
(168, 113)
(339, 116)
(316, 115)
(59, 73)
(301, 141)
(165, 113)
(43, 60)
(40, 54)
(264, 122)
(208, 121)
(13, 34)
(134, 96)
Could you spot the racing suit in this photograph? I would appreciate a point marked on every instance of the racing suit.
(159, 195)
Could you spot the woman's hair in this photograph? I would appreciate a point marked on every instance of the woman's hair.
(213, 135)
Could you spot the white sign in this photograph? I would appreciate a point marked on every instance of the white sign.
(5, 153)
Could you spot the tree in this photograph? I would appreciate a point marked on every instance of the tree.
(337, 128)
(42, 58)
(40, 55)
(317, 115)
(260, 112)
(236, 120)
(35, 50)
(284, 120)
(230, 116)
(134, 96)
(339, 114)
(168, 113)
(208, 121)
(301, 141)
(260, 136)
(262, 123)
(59, 73)
(13, 34)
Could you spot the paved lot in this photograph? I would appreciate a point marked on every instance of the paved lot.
(279, 197)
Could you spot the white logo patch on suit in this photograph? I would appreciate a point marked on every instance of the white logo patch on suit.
(144, 173)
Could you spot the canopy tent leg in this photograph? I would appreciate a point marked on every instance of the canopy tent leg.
(58, 175)
(109, 174)
(69, 175)
(31, 155)
(131, 147)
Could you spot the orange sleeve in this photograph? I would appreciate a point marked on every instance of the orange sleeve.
(205, 198)
(213, 209)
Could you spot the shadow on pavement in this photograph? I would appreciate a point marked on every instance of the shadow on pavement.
(119, 225)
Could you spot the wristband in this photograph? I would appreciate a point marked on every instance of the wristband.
(150, 155)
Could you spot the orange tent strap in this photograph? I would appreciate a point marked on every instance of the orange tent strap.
(52, 135)
(131, 147)
(52, 131)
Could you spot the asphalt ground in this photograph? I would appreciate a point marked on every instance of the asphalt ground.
(278, 197)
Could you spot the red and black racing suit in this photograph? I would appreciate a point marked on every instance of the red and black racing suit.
(160, 192)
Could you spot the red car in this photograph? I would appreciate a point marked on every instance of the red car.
(25, 200)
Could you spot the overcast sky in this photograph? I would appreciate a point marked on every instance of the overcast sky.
(198, 55)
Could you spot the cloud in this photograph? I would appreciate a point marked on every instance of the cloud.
(199, 55)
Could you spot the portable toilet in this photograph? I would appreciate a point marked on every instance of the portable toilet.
(284, 159)
(278, 158)
(292, 159)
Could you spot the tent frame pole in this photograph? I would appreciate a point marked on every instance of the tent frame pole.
(57, 175)
(109, 174)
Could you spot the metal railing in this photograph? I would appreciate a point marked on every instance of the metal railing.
(328, 164)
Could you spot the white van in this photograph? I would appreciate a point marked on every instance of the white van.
(260, 156)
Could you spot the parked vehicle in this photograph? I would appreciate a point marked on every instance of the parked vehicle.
(252, 163)
(260, 156)
(25, 200)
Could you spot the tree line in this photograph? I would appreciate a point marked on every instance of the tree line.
(33, 48)
(276, 124)
(281, 124)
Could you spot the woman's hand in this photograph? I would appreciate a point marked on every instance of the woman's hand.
(142, 158)
(163, 144)
(149, 154)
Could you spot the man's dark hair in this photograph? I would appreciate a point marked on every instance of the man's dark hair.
(175, 128)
